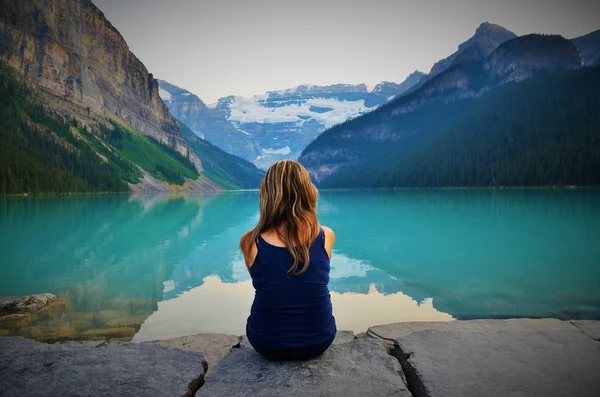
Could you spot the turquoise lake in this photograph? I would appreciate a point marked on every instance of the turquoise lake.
(153, 267)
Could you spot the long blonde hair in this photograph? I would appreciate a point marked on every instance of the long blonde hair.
(288, 201)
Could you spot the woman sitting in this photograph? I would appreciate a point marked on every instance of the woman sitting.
(287, 255)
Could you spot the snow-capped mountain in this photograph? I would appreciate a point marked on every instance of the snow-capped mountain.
(278, 124)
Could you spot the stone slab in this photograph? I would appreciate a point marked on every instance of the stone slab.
(589, 327)
(343, 337)
(521, 357)
(340, 337)
(361, 367)
(30, 368)
(213, 346)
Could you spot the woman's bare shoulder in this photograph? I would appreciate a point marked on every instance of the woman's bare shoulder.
(249, 250)
(329, 233)
(243, 238)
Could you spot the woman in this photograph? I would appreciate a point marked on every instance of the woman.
(287, 255)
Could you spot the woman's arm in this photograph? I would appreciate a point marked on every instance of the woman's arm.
(329, 240)
(249, 251)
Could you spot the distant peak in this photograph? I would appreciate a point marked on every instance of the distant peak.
(487, 27)
(417, 73)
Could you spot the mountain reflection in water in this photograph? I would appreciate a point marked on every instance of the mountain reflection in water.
(160, 266)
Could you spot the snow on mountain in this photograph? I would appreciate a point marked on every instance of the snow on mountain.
(283, 150)
(278, 124)
(327, 111)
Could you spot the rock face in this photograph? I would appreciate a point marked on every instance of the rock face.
(68, 48)
(360, 367)
(495, 358)
(278, 124)
(29, 368)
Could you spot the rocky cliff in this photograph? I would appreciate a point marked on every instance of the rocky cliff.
(84, 67)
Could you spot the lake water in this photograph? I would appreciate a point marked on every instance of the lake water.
(158, 267)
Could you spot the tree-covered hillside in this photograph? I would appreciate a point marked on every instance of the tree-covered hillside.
(46, 153)
(39, 154)
(229, 171)
(540, 132)
(43, 153)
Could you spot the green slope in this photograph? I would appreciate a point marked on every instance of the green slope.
(161, 161)
(39, 154)
(540, 132)
(227, 170)
(44, 154)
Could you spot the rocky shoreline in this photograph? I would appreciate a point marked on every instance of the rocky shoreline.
(518, 357)
(515, 357)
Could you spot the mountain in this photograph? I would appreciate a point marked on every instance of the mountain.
(85, 92)
(486, 39)
(227, 170)
(412, 117)
(588, 47)
(278, 124)
(207, 123)
(390, 90)
(539, 132)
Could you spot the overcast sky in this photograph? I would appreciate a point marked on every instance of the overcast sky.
(216, 48)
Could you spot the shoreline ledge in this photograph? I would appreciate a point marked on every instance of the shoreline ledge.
(514, 357)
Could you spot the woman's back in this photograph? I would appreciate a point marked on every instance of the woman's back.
(291, 317)
(290, 311)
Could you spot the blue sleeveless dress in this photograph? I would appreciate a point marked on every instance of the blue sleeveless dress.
(290, 319)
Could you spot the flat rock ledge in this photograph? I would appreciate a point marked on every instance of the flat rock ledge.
(214, 346)
(356, 367)
(589, 327)
(30, 368)
(520, 357)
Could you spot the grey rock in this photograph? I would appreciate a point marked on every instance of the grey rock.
(213, 346)
(26, 304)
(390, 332)
(29, 368)
(361, 367)
(343, 337)
(496, 358)
(589, 327)
(245, 343)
